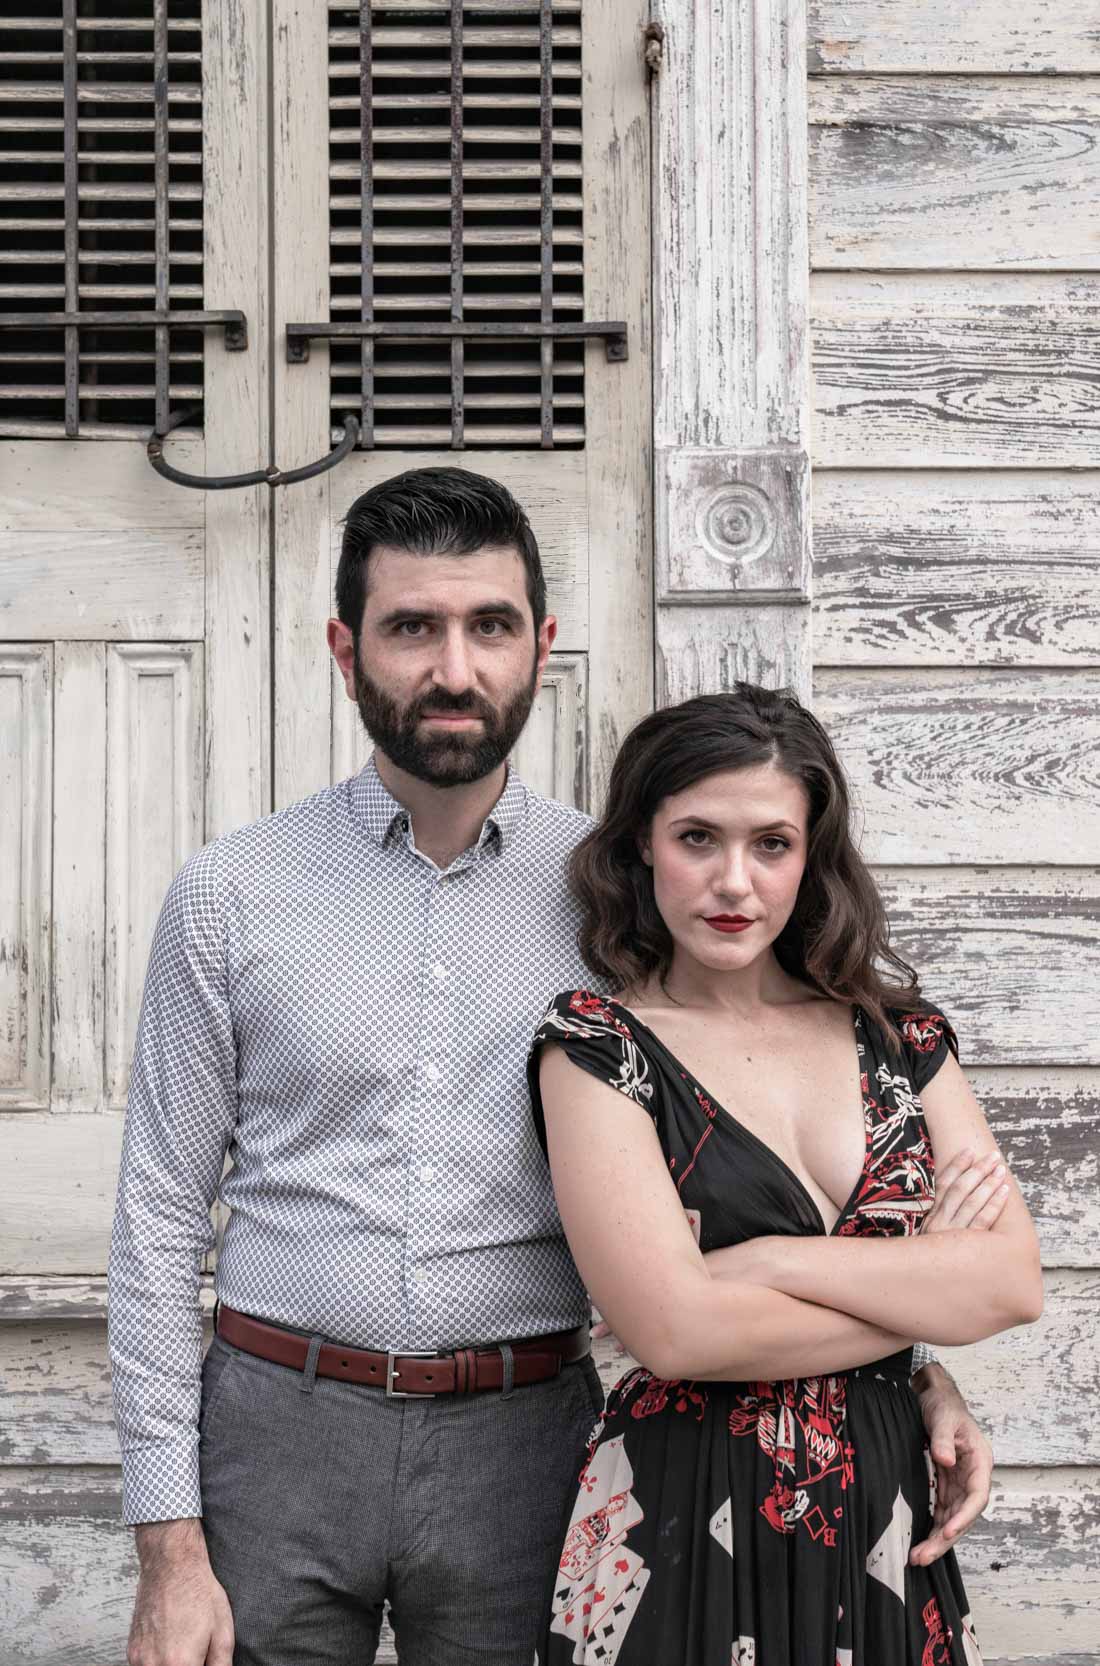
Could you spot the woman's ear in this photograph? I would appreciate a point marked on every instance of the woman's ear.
(645, 851)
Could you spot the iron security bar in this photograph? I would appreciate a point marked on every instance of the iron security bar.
(234, 323)
(299, 336)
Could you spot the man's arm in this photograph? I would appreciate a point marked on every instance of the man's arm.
(963, 1459)
(181, 1113)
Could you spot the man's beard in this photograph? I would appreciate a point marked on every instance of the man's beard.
(445, 760)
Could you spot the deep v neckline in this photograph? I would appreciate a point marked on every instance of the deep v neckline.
(754, 1138)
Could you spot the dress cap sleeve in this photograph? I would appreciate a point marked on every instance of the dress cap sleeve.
(927, 1037)
(597, 1037)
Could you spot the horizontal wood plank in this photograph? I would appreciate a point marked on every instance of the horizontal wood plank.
(924, 370)
(956, 568)
(1032, 1568)
(1012, 953)
(139, 585)
(983, 37)
(1047, 1122)
(983, 766)
(948, 173)
(59, 485)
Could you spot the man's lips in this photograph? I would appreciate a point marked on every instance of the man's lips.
(457, 718)
(727, 922)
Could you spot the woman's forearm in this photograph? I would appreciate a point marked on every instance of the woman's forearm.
(727, 1331)
(951, 1287)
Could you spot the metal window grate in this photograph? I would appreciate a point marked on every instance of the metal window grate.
(100, 213)
(469, 119)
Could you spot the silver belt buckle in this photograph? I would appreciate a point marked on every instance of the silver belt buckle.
(392, 1375)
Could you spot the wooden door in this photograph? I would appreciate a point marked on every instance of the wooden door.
(454, 141)
(133, 687)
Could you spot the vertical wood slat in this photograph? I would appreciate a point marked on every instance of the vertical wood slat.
(457, 346)
(236, 423)
(72, 229)
(154, 817)
(26, 785)
(732, 524)
(79, 874)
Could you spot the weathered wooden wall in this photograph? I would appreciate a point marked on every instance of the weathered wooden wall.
(955, 254)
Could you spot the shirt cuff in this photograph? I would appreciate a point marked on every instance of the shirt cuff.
(160, 1483)
(922, 1355)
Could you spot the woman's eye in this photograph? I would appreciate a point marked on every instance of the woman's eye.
(774, 845)
(693, 834)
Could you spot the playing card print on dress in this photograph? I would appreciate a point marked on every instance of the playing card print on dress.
(600, 1579)
(772, 1521)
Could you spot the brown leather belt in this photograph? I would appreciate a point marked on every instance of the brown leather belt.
(464, 1371)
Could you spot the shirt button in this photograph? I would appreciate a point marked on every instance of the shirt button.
(439, 973)
(433, 1072)
(427, 1174)
(419, 1276)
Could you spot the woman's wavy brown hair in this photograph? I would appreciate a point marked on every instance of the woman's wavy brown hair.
(838, 937)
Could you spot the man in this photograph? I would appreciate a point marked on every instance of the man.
(341, 997)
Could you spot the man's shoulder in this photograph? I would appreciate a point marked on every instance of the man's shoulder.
(285, 835)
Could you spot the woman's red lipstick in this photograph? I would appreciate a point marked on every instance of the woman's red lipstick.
(727, 922)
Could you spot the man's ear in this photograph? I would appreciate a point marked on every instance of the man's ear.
(544, 641)
(342, 648)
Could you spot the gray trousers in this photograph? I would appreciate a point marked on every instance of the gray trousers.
(323, 1499)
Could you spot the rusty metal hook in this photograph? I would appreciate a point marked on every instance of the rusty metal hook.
(154, 450)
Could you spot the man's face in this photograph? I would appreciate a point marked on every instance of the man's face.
(448, 663)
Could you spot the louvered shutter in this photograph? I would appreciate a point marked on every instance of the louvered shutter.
(100, 212)
(463, 224)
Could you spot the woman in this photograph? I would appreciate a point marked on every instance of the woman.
(743, 1143)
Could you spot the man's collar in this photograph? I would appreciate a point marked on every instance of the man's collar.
(376, 809)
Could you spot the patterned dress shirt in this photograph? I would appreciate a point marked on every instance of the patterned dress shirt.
(350, 1024)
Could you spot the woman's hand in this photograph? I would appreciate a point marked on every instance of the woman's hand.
(970, 1193)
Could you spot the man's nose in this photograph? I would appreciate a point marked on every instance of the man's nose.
(453, 669)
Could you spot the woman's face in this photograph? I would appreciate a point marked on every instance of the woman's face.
(727, 856)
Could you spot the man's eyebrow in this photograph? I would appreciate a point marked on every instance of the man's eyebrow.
(424, 615)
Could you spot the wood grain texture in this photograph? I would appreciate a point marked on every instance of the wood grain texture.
(953, 173)
(705, 650)
(980, 766)
(1047, 1122)
(730, 421)
(1012, 953)
(67, 1578)
(303, 589)
(956, 568)
(235, 93)
(26, 793)
(79, 875)
(57, 1215)
(729, 247)
(984, 37)
(67, 1300)
(942, 371)
(618, 397)
(96, 586)
(59, 485)
(154, 817)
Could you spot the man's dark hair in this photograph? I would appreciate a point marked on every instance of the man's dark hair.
(433, 512)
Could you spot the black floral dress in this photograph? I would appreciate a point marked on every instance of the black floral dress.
(758, 1523)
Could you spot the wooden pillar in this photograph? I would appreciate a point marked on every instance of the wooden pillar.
(733, 566)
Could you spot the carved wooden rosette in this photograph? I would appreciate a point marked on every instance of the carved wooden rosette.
(733, 565)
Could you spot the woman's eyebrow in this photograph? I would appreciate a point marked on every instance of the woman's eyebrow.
(715, 827)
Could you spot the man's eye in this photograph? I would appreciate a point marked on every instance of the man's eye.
(491, 627)
(410, 627)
